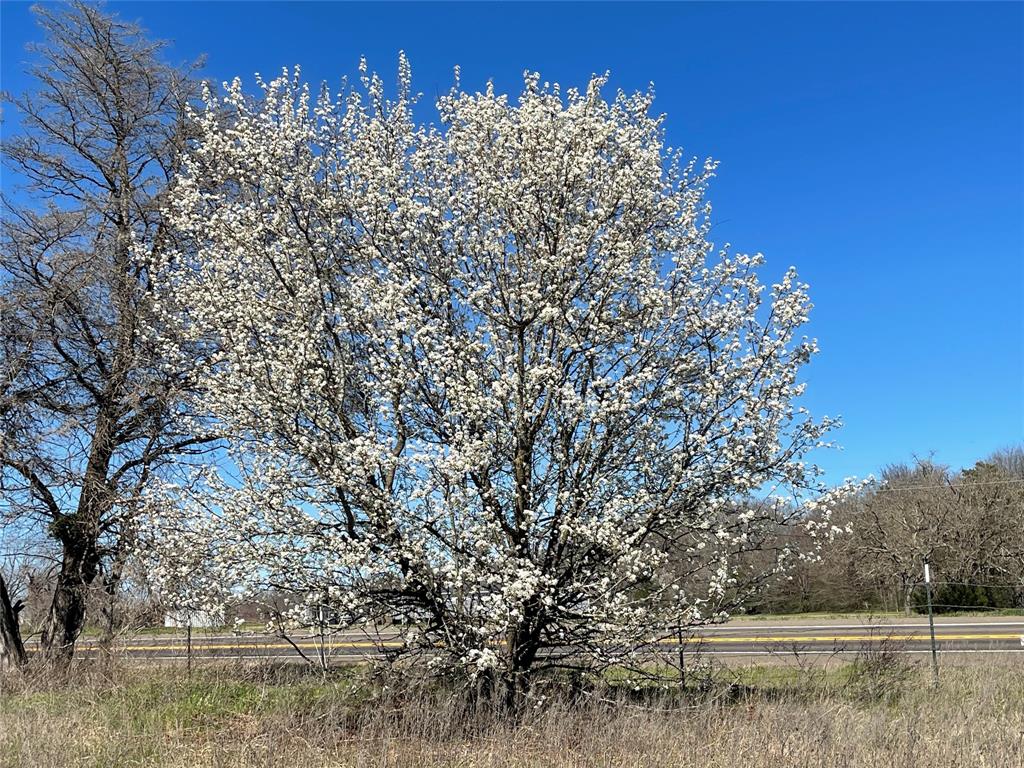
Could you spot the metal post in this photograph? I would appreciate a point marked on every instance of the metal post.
(931, 622)
(188, 646)
(322, 622)
(682, 658)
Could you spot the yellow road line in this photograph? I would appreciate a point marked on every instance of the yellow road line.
(200, 647)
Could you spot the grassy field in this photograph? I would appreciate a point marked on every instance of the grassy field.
(878, 712)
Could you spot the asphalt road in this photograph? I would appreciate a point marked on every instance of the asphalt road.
(747, 639)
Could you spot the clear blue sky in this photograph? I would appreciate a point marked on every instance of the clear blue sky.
(878, 147)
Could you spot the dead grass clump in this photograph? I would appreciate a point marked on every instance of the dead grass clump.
(881, 670)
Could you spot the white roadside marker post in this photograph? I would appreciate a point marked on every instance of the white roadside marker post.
(188, 646)
(931, 622)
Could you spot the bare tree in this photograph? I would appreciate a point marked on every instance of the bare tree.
(12, 650)
(990, 534)
(1010, 462)
(88, 410)
(968, 524)
(904, 523)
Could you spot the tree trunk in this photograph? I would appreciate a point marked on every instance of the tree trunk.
(523, 647)
(66, 616)
(79, 537)
(12, 650)
(111, 583)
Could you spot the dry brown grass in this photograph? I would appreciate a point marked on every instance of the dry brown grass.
(766, 717)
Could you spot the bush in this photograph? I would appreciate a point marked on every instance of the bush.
(948, 598)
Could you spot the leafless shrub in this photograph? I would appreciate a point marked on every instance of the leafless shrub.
(881, 669)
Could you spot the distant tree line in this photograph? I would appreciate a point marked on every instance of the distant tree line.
(968, 524)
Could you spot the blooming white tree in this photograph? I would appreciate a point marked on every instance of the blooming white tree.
(491, 375)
